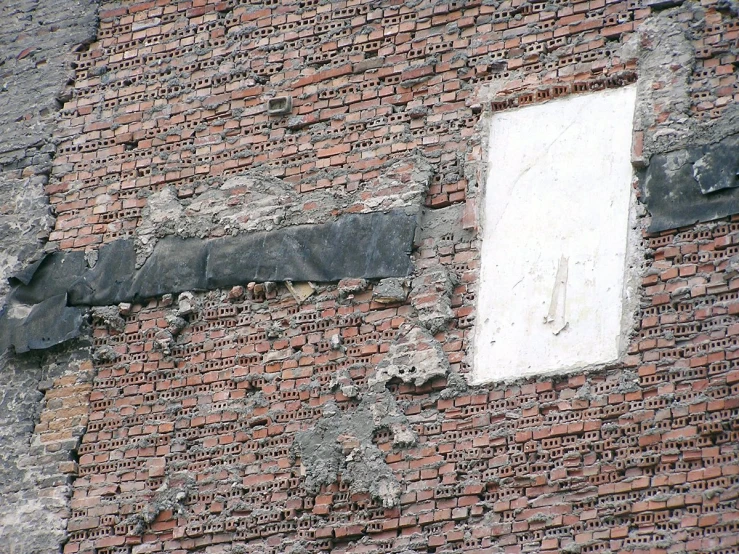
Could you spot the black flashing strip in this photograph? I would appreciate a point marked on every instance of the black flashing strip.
(374, 245)
(49, 323)
(696, 184)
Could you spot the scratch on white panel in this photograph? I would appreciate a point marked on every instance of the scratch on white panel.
(558, 305)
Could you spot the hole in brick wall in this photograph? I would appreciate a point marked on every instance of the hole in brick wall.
(279, 105)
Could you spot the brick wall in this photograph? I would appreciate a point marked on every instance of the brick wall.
(641, 457)
(238, 427)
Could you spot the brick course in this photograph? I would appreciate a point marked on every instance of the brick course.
(174, 93)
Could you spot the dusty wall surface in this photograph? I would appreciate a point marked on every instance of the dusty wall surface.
(37, 456)
(337, 416)
(38, 39)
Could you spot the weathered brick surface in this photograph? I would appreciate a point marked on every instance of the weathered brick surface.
(176, 93)
(193, 433)
(641, 457)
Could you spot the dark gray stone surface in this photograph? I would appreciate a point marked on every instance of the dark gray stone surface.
(26, 274)
(690, 185)
(37, 38)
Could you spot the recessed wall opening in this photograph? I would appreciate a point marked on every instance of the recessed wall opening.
(557, 246)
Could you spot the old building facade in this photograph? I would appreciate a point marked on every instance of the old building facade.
(243, 251)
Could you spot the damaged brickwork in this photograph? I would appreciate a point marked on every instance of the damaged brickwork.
(43, 413)
(223, 411)
(44, 398)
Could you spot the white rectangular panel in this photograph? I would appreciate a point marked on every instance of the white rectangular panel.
(555, 233)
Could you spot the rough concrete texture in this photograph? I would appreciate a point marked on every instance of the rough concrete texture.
(341, 447)
(390, 291)
(666, 56)
(668, 84)
(170, 497)
(36, 75)
(415, 357)
(37, 458)
(25, 222)
(443, 225)
(431, 296)
(110, 316)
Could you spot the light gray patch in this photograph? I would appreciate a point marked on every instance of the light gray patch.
(666, 58)
(443, 225)
(431, 296)
(340, 446)
(109, 316)
(172, 496)
(390, 291)
(414, 357)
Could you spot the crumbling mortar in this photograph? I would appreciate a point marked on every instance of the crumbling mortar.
(166, 498)
(359, 462)
(661, 39)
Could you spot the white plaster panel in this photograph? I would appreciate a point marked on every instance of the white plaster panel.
(555, 234)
